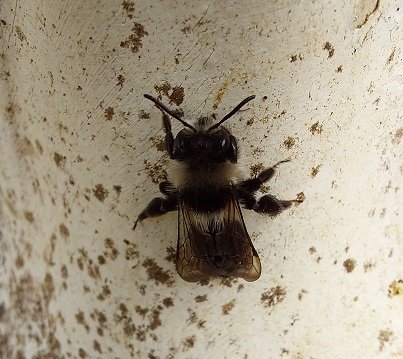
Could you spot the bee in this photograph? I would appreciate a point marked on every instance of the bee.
(207, 191)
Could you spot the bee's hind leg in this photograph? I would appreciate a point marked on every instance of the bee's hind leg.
(272, 206)
(267, 204)
(159, 206)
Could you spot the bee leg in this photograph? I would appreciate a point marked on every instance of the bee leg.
(169, 138)
(272, 206)
(253, 184)
(157, 207)
(267, 204)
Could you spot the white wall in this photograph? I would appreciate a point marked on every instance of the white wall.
(81, 149)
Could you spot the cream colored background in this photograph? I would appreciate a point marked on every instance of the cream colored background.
(80, 149)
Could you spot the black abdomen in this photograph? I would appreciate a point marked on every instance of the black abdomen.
(206, 199)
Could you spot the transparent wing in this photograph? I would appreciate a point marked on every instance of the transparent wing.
(216, 244)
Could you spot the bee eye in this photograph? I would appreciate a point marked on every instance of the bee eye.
(223, 143)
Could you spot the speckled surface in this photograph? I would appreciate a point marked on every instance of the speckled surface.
(82, 154)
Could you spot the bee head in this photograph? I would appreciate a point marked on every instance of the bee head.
(205, 146)
(214, 144)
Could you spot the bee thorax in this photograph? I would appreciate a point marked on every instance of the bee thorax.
(183, 175)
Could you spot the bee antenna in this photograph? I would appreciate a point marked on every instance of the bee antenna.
(234, 111)
(162, 107)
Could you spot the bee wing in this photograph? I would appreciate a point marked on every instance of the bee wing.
(215, 244)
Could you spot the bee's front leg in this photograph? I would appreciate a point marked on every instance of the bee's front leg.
(251, 185)
(169, 138)
(157, 207)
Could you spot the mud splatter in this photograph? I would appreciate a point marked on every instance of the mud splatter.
(349, 265)
(121, 81)
(300, 197)
(39, 147)
(175, 94)
(302, 293)
(187, 29)
(295, 58)
(29, 216)
(109, 112)
(397, 136)
(64, 272)
(83, 261)
(330, 49)
(256, 169)
(29, 303)
(156, 171)
(59, 159)
(110, 252)
(159, 143)
(221, 92)
(289, 142)
(20, 34)
(64, 231)
(128, 6)
(168, 302)
(396, 288)
(384, 337)
(100, 192)
(201, 298)
(316, 128)
(144, 115)
(226, 308)
(156, 273)
(315, 171)
(193, 319)
(97, 347)
(369, 265)
(105, 293)
(117, 189)
(134, 41)
(189, 342)
(171, 254)
(80, 318)
(19, 263)
(273, 296)
(25, 147)
(228, 281)
(131, 251)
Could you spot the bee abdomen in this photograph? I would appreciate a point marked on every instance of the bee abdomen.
(207, 199)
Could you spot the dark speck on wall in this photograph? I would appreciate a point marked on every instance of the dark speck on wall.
(156, 273)
(134, 40)
(315, 171)
(273, 296)
(109, 112)
(330, 49)
(316, 128)
(289, 142)
(100, 192)
(175, 94)
(128, 6)
(226, 308)
(349, 265)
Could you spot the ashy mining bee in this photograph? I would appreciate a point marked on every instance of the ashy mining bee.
(207, 191)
